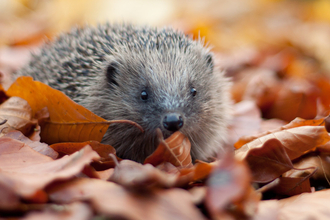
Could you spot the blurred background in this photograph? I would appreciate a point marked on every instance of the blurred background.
(276, 51)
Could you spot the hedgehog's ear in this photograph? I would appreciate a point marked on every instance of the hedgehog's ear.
(111, 71)
(209, 61)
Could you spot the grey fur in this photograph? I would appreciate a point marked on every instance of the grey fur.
(164, 62)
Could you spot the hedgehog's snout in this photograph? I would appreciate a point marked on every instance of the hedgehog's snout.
(172, 122)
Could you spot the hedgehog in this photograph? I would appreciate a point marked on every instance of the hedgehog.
(156, 77)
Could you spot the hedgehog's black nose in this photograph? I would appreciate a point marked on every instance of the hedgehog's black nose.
(173, 122)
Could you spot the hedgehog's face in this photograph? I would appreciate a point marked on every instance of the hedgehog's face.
(171, 93)
(180, 91)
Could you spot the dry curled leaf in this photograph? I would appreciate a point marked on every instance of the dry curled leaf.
(28, 171)
(297, 122)
(68, 121)
(175, 149)
(75, 210)
(229, 183)
(104, 151)
(305, 206)
(296, 141)
(133, 175)
(268, 161)
(17, 115)
(35, 145)
(114, 201)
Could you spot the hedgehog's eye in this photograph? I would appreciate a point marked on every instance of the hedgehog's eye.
(144, 95)
(193, 91)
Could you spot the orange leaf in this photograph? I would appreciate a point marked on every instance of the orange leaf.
(29, 171)
(203, 169)
(114, 201)
(17, 114)
(68, 120)
(297, 97)
(296, 141)
(268, 161)
(134, 175)
(69, 148)
(175, 149)
(229, 183)
(35, 145)
(297, 122)
(104, 151)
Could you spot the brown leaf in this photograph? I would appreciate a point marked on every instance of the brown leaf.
(297, 122)
(115, 201)
(9, 200)
(296, 98)
(246, 121)
(35, 145)
(296, 141)
(321, 162)
(229, 183)
(260, 85)
(202, 169)
(75, 210)
(306, 206)
(29, 171)
(175, 149)
(69, 122)
(267, 162)
(18, 116)
(267, 210)
(290, 186)
(134, 175)
(104, 150)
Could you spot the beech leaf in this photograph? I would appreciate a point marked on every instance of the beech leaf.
(115, 201)
(35, 145)
(296, 141)
(68, 121)
(268, 161)
(229, 183)
(133, 175)
(17, 115)
(29, 171)
(297, 122)
(175, 149)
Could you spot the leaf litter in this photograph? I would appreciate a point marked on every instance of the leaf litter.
(279, 169)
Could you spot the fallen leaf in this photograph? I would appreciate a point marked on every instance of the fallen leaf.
(35, 145)
(75, 210)
(17, 115)
(296, 141)
(266, 162)
(320, 161)
(104, 150)
(290, 186)
(9, 200)
(29, 171)
(69, 122)
(296, 98)
(305, 206)
(114, 201)
(133, 175)
(259, 85)
(229, 183)
(202, 169)
(246, 121)
(175, 149)
(268, 209)
(297, 122)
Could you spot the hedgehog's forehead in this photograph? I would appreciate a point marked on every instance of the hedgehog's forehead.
(173, 67)
(150, 38)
